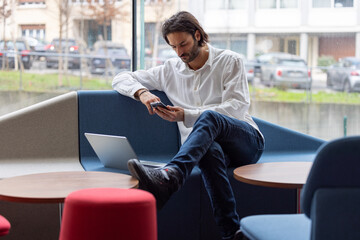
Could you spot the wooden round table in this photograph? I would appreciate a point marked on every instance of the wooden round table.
(53, 187)
(275, 174)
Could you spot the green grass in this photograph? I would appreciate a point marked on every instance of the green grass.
(278, 95)
(13, 81)
(10, 81)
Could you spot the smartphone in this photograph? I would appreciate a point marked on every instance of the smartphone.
(158, 104)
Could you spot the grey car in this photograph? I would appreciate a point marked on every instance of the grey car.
(116, 55)
(344, 75)
(10, 49)
(68, 46)
(250, 67)
(286, 70)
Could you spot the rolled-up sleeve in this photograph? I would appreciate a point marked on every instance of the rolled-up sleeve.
(127, 83)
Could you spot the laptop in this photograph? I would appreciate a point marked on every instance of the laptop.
(115, 151)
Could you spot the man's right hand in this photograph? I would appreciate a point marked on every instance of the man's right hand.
(146, 98)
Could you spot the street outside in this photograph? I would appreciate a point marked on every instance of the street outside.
(318, 76)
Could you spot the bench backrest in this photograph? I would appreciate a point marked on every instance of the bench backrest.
(278, 139)
(108, 112)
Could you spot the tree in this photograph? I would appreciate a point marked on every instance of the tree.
(159, 8)
(103, 12)
(5, 13)
(64, 15)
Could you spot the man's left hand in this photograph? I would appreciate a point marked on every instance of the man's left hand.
(171, 114)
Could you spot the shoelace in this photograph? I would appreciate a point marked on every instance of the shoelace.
(160, 174)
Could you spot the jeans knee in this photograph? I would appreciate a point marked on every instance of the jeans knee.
(208, 114)
(207, 118)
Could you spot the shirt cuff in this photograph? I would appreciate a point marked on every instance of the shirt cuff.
(190, 117)
(135, 89)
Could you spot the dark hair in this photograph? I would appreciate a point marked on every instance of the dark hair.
(184, 22)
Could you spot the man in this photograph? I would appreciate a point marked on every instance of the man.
(209, 91)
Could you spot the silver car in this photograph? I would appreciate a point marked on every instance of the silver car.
(286, 70)
(344, 75)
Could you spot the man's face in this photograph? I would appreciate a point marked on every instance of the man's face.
(185, 46)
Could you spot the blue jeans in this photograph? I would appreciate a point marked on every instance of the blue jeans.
(216, 143)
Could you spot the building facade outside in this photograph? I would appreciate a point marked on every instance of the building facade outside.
(308, 28)
(81, 19)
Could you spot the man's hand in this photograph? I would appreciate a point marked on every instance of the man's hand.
(171, 114)
(146, 98)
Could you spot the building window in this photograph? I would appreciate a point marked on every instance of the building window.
(85, 2)
(31, 2)
(332, 3)
(288, 3)
(321, 3)
(237, 4)
(215, 4)
(239, 46)
(228, 41)
(225, 4)
(344, 3)
(273, 4)
(156, 1)
(267, 4)
(35, 31)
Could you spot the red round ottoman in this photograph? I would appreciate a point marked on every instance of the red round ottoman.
(109, 213)
(4, 226)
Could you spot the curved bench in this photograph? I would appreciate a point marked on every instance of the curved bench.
(49, 136)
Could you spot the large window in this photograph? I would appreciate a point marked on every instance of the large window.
(97, 43)
(54, 48)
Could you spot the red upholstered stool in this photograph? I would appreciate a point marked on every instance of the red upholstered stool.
(109, 213)
(4, 226)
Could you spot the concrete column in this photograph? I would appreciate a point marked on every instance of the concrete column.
(197, 9)
(251, 40)
(304, 6)
(357, 45)
(251, 13)
(304, 37)
(358, 12)
(315, 51)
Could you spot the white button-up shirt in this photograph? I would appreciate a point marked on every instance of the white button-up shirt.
(220, 85)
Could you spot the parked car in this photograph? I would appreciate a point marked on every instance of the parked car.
(69, 46)
(250, 66)
(344, 75)
(115, 52)
(283, 69)
(164, 54)
(9, 50)
(264, 59)
(37, 46)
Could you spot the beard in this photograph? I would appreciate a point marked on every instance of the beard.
(190, 56)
